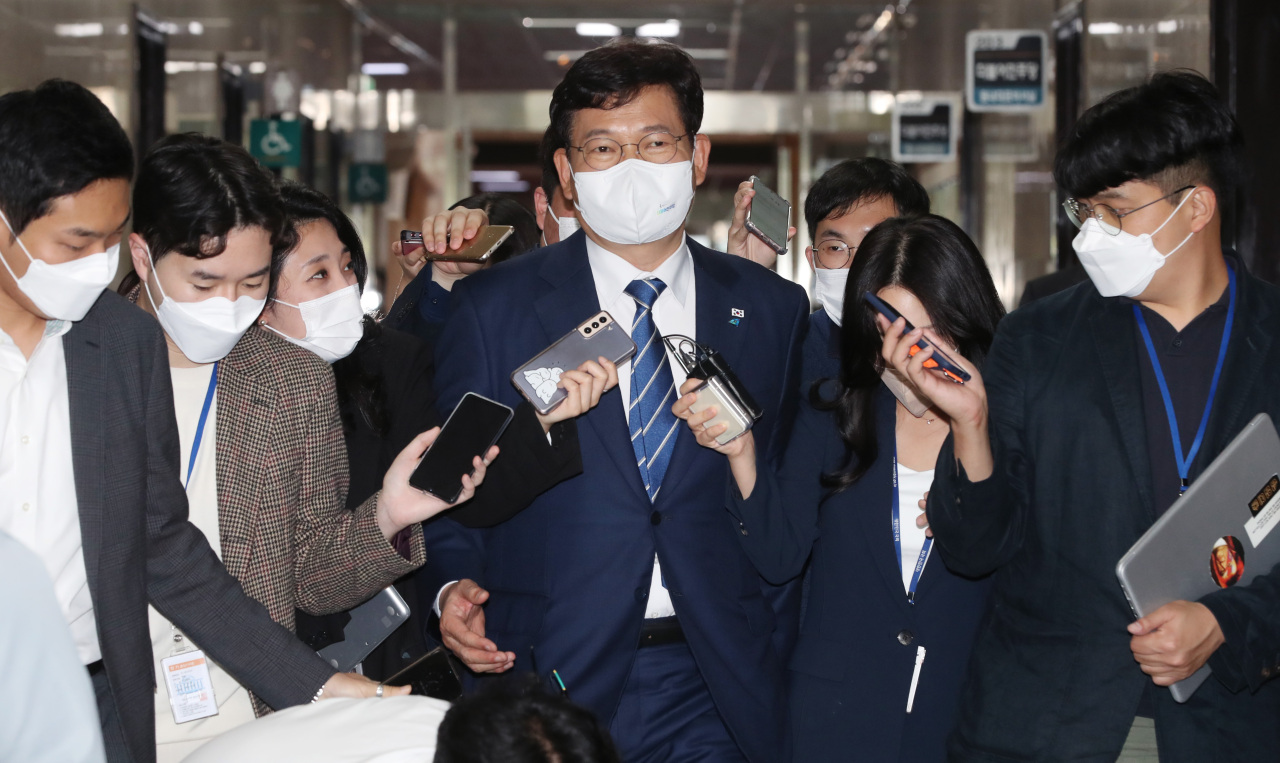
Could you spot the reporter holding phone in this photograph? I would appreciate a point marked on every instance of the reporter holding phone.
(882, 648)
(261, 450)
(385, 381)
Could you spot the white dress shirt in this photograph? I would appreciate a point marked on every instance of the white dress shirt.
(674, 312)
(38, 505)
(175, 741)
(912, 486)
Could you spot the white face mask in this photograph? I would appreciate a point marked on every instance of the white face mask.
(828, 287)
(913, 401)
(634, 201)
(335, 323)
(1124, 264)
(567, 226)
(205, 331)
(66, 291)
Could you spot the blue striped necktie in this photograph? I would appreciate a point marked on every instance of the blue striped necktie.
(653, 390)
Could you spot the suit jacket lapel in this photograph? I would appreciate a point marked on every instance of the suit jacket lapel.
(717, 298)
(86, 382)
(1236, 399)
(246, 414)
(1112, 326)
(571, 299)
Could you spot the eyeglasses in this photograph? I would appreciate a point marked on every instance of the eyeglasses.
(656, 147)
(832, 254)
(1108, 218)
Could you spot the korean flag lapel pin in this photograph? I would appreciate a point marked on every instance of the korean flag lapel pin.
(736, 314)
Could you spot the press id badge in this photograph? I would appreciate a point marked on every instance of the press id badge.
(186, 676)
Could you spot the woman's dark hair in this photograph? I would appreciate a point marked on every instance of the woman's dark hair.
(860, 181)
(57, 140)
(933, 259)
(517, 721)
(504, 210)
(1173, 131)
(359, 390)
(612, 75)
(193, 191)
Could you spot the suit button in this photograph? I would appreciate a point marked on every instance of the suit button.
(655, 518)
(905, 637)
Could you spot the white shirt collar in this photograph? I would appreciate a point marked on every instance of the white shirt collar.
(612, 274)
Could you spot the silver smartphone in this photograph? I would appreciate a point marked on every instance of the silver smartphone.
(371, 623)
(596, 337)
(769, 217)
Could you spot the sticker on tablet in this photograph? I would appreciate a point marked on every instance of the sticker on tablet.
(1265, 508)
(1226, 561)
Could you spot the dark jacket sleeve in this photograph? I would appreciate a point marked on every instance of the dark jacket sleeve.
(1250, 620)
(778, 524)
(979, 526)
(189, 585)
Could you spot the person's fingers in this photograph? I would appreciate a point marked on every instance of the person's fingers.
(689, 385)
(491, 454)
(472, 222)
(407, 460)
(791, 233)
(396, 248)
(457, 631)
(1152, 622)
(680, 408)
(612, 369)
(477, 476)
(437, 228)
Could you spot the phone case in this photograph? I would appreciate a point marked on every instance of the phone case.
(713, 392)
(764, 195)
(948, 367)
(720, 387)
(477, 249)
(595, 337)
(369, 626)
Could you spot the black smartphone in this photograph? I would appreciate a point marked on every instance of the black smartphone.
(769, 217)
(474, 426)
(431, 675)
(939, 362)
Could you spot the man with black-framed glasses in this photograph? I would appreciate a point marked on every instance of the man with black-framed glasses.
(1102, 404)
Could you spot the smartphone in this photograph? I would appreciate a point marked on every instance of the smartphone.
(596, 337)
(477, 249)
(370, 624)
(769, 217)
(720, 387)
(472, 428)
(939, 362)
(431, 675)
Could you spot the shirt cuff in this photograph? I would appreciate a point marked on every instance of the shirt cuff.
(436, 606)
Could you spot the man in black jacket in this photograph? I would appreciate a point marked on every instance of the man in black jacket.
(88, 441)
(1072, 459)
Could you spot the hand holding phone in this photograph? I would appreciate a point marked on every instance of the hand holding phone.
(939, 362)
(471, 430)
(597, 337)
(477, 249)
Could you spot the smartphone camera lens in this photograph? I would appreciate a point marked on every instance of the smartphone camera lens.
(595, 324)
(604, 319)
(586, 330)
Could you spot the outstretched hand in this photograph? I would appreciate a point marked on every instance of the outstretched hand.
(401, 504)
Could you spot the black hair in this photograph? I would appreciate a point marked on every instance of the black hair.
(193, 191)
(504, 210)
(932, 258)
(516, 721)
(57, 140)
(1173, 131)
(612, 75)
(360, 390)
(547, 158)
(854, 182)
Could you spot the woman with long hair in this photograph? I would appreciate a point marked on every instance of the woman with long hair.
(887, 628)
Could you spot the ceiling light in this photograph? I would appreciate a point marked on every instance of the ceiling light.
(195, 27)
(668, 28)
(597, 29)
(1105, 27)
(91, 29)
(390, 68)
(257, 67)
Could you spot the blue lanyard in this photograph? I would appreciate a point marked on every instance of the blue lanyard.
(1184, 461)
(204, 416)
(897, 540)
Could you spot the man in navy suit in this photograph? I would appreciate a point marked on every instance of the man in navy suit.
(629, 581)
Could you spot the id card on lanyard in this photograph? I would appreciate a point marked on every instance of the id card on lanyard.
(186, 669)
(1184, 461)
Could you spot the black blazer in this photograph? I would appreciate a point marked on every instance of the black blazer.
(1052, 677)
(138, 544)
(851, 671)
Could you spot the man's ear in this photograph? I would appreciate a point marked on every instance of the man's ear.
(808, 255)
(138, 255)
(1204, 207)
(540, 204)
(701, 155)
(566, 175)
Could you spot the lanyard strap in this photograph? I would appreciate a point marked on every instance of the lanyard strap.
(897, 539)
(204, 416)
(1184, 461)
